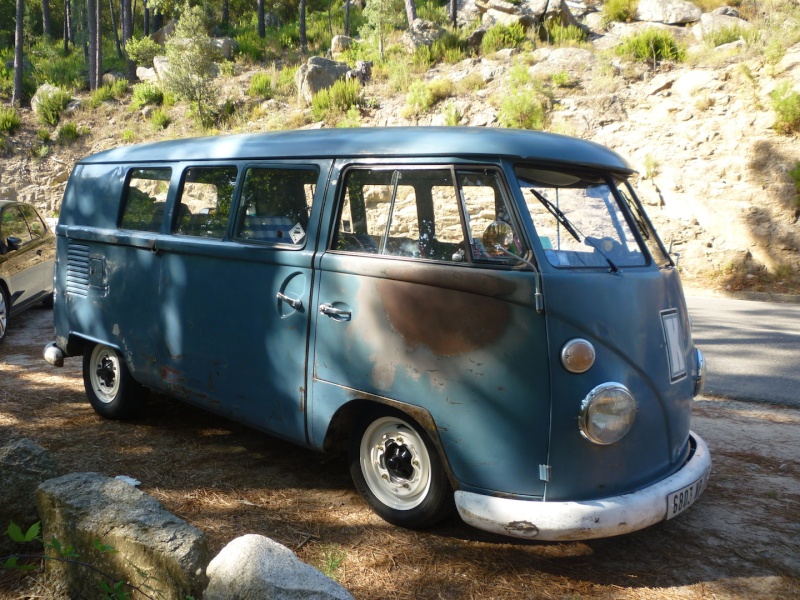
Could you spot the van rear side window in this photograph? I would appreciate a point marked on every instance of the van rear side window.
(205, 204)
(275, 206)
(145, 199)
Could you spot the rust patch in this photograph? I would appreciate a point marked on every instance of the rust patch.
(522, 528)
(447, 321)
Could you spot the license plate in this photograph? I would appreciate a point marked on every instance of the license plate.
(679, 501)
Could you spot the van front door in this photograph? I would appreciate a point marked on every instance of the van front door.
(411, 307)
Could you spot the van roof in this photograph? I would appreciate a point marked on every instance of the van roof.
(388, 142)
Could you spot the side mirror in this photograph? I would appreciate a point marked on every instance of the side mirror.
(13, 243)
(497, 235)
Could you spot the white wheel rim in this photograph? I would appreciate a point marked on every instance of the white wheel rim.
(104, 373)
(3, 314)
(404, 483)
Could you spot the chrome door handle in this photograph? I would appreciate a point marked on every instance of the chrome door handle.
(295, 304)
(336, 313)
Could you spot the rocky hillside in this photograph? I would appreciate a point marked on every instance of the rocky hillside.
(714, 169)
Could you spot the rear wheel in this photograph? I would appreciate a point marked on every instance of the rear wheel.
(112, 391)
(5, 308)
(397, 470)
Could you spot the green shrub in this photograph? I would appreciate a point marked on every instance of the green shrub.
(146, 93)
(522, 109)
(100, 95)
(724, 35)
(451, 114)
(561, 79)
(52, 105)
(67, 134)
(502, 36)
(43, 135)
(55, 67)
(129, 136)
(9, 119)
(260, 86)
(619, 10)
(564, 35)
(160, 119)
(651, 45)
(285, 81)
(422, 96)
(143, 50)
(786, 104)
(336, 100)
(352, 119)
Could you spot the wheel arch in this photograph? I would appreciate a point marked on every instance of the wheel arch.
(346, 418)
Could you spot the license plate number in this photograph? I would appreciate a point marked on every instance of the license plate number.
(679, 501)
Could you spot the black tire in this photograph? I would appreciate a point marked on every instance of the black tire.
(49, 300)
(398, 471)
(112, 391)
(5, 310)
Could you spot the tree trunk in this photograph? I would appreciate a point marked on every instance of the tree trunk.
(262, 29)
(127, 34)
(411, 11)
(91, 18)
(66, 26)
(330, 19)
(98, 45)
(303, 40)
(19, 67)
(347, 17)
(47, 26)
(454, 13)
(146, 15)
(114, 28)
(225, 15)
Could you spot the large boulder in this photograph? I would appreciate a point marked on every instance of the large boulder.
(318, 74)
(45, 90)
(421, 33)
(710, 23)
(24, 465)
(670, 12)
(152, 547)
(227, 47)
(253, 566)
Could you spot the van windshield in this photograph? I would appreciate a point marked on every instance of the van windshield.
(578, 220)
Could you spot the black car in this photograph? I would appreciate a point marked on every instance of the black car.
(27, 260)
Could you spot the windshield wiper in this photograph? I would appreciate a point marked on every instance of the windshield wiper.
(563, 220)
(558, 214)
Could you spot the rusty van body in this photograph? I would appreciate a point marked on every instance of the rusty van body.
(485, 319)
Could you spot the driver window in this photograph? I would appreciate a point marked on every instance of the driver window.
(487, 213)
(12, 224)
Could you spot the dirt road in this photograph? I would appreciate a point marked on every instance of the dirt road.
(741, 540)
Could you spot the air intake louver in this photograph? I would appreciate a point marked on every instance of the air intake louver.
(78, 270)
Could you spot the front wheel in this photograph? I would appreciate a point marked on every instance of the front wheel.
(397, 470)
(112, 391)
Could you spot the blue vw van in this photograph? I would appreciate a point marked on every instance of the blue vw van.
(482, 319)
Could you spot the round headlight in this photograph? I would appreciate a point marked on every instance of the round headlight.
(577, 355)
(607, 413)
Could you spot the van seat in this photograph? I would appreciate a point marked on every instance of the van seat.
(267, 229)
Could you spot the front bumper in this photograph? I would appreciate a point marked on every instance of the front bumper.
(586, 519)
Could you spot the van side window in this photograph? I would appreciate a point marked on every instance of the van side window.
(275, 206)
(205, 201)
(145, 199)
(409, 212)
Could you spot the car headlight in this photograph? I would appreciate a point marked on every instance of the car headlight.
(700, 378)
(577, 355)
(607, 413)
